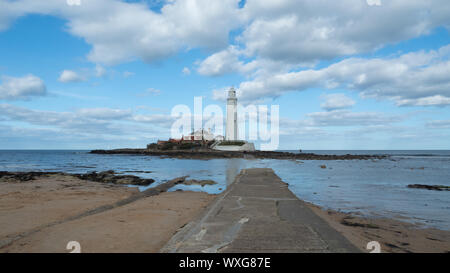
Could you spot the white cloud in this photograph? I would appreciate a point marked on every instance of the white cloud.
(336, 101)
(200, 23)
(304, 31)
(229, 61)
(89, 117)
(100, 71)
(436, 100)
(186, 71)
(70, 76)
(301, 33)
(348, 118)
(25, 87)
(276, 38)
(160, 119)
(418, 78)
(220, 63)
(122, 31)
(373, 2)
(154, 91)
(151, 91)
(289, 31)
(344, 124)
(439, 124)
(102, 122)
(128, 74)
(104, 113)
(222, 93)
(83, 74)
(73, 2)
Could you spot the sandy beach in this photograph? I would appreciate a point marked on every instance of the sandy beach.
(44, 214)
(34, 216)
(394, 236)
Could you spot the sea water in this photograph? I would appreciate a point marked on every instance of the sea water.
(375, 188)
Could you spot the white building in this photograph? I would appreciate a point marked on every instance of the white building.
(201, 134)
(232, 129)
(232, 125)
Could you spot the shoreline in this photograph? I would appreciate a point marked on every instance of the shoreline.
(394, 235)
(44, 213)
(213, 154)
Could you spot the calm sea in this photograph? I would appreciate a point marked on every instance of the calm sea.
(375, 188)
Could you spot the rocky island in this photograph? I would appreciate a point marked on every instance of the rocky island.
(205, 153)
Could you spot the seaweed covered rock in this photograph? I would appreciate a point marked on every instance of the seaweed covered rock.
(199, 182)
(22, 176)
(111, 177)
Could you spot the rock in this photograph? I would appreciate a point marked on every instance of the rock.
(323, 166)
(352, 222)
(109, 172)
(210, 154)
(110, 177)
(199, 182)
(429, 187)
(22, 176)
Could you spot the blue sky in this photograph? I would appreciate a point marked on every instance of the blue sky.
(106, 73)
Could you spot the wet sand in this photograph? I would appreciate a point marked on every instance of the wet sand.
(394, 236)
(34, 216)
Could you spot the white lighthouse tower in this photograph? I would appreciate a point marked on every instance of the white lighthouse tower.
(232, 128)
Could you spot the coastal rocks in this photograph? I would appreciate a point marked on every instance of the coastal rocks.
(102, 177)
(211, 154)
(429, 187)
(110, 177)
(357, 222)
(21, 176)
(199, 182)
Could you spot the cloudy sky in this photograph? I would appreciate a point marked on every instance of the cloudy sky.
(348, 74)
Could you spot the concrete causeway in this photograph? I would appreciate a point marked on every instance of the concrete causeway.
(258, 213)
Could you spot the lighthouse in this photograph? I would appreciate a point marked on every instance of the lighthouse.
(232, 128)
(232, 142)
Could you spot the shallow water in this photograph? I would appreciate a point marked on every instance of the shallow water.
(371, 187)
